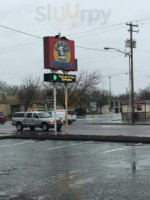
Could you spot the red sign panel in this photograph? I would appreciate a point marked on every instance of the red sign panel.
(59, 54)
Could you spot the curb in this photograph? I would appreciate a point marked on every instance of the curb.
(121, 139)
(121, 124)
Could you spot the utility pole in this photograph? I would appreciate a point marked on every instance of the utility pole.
(132, 45)
(110, 94)
(66, 108)
(55, 114)
(129, 87)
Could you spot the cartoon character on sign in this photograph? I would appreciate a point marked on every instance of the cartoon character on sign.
(62, 52)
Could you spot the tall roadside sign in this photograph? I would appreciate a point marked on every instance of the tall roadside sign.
(59, 54)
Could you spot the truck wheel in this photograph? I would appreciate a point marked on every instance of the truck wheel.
(45, 127)
(19, 126)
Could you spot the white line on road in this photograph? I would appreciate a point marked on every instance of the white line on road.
(59, 147)
(9, 145)
(106, 126)
(125, 148)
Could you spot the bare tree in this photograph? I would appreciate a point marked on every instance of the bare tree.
(144, 94)
(3, 87)
(101, 97)
(85, 83)
(8, 89)
(29, 91)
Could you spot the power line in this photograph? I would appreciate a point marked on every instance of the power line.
(20, 45)
(110, 26)
(117, 74)
(96, 57)
(101, 28)
(105, 57)
(8, 50)
(96, 33)
(35, 36)
(18, 31)
(99, 60)
(88, 48)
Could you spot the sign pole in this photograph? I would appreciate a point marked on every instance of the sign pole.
(55, 120)
(66, 109)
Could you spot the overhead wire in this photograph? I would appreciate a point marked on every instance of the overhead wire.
(83, 47)
(18, 31)
(96, 33)
(12, 29)
(117, 74)
(110, 26)
(79, 33)
(20, 45)
(100, 60)
(96, 29)
(104, 58)
(17, 48)
(105, 27)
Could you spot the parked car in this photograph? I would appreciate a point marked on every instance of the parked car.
(2, 118)
(72, 116)
(52, 115)
(61, 114)
(32, 120)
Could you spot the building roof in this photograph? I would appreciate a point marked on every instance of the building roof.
(126, 102)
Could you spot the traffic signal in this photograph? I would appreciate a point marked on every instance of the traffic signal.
(55, 77)
(59, 78)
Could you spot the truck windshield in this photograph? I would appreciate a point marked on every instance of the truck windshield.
(44, 115)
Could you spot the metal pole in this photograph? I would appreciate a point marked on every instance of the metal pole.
(145, 109)
(55, 117)
(66, 109)
(129, 87)
(110, 94)
(132, 77)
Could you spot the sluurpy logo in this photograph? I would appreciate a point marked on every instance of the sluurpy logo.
(71, 16)
(62, 52)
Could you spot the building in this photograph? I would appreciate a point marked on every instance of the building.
(116, 107)
(9, 104)
(141, 110)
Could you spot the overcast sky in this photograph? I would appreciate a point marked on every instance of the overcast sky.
(89, 24)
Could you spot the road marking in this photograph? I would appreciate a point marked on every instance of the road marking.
(125, 148)
(9, 145)
(118, 149)
(59, 147)
(107, 126)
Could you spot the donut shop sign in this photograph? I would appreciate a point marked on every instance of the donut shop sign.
(59, 54)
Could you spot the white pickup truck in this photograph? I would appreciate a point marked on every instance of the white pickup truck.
(35, 119)
(61, 113)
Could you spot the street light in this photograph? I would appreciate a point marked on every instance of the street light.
(110, 48)
(126, 54)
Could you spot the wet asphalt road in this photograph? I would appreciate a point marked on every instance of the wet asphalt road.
(80, 128)
(59, 170)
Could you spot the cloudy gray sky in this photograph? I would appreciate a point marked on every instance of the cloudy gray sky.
(90, 23)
